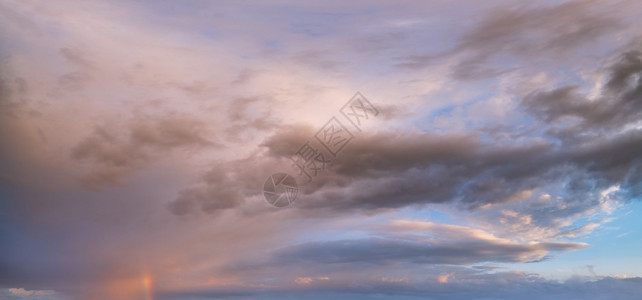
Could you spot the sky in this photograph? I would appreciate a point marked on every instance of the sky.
(429, 149)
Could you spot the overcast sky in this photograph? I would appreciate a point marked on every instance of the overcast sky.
(500, 157)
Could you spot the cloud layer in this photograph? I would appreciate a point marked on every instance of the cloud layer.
(135, 138)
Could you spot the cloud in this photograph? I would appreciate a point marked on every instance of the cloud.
(21, 293)
(387, 251)
(389, 169)
(617, 107)
(217, 192)
(173, 119)
(420, 242)
(415, 168)
(520, 30)
(114, 155)
(462, 285)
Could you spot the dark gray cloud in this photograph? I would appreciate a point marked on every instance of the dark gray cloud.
(525, 31)
(113, 155)
(618, 105)
(226, 185)
(216, 192)
(395, 169)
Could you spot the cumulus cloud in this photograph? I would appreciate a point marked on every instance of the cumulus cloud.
(415, 168)
(114, 156)
(618, 106)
